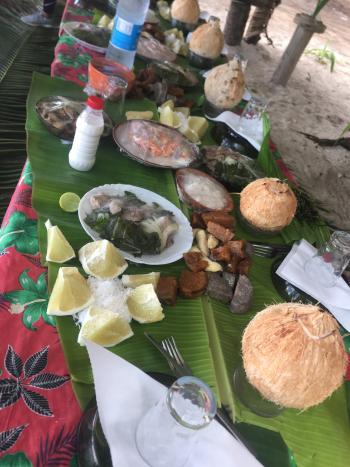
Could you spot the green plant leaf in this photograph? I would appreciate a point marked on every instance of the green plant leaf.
(27, 174)
(319, 6)
(41, 285)
(31, 315)
(20, 232)
(27, 282)
(21, 297)
(18, 459)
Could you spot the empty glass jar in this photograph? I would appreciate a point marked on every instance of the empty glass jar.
(328, 264)
(166, 435)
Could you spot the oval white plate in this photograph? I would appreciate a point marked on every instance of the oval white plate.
(182, 240)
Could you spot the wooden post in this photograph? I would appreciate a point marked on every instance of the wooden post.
(306, 27)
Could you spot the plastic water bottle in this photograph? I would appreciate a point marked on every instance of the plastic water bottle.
(89, 128)
(128, 23)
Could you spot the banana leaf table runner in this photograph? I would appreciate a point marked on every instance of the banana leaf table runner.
(207, 333)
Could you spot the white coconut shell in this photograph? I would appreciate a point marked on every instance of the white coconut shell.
(268, 204)
(207, 40)
(294, 354)
(187, 11)
(224, 86)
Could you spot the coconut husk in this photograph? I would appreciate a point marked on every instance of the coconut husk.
(294, 354)
(187, 11)
(207, 40)
(224, 86)
(268, 204)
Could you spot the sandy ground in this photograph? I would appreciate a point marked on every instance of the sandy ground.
(314, 101)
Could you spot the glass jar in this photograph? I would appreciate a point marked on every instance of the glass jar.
(166, 434)
(328, 264)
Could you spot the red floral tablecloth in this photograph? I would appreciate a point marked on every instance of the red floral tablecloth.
(38, 410)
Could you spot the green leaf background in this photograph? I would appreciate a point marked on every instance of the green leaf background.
(207, 333)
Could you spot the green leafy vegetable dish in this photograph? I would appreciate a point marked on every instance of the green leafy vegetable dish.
(131, 224)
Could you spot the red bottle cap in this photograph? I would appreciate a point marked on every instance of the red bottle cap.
(95, 102)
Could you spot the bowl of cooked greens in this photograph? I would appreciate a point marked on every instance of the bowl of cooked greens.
(89, 36)
(146, 227)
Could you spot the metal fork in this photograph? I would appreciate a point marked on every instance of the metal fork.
(270, 250)
(180, 368)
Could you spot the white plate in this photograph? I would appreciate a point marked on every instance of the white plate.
(182, 240)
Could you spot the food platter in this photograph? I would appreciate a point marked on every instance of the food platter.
(175, 74)
(150, 49)
(181, 240)
(92, 37)
(59, 115)
(152, 143)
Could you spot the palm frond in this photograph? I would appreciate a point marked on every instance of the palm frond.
(23, 50)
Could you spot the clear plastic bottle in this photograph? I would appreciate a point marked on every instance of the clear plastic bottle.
(89, 128)
(127, 27)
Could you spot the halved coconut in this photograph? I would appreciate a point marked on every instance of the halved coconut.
(268, 204)
(294, 354)
(202, 192)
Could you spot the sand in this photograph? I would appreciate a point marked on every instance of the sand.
(315, 101)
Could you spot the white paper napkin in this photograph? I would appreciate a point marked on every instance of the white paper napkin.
(124, 394)
(336, 298)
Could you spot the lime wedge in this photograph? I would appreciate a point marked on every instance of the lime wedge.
(69, 202)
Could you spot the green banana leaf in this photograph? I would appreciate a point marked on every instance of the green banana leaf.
(207, 333)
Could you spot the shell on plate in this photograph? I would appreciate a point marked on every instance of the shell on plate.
(207, 40)
(224, 86)
(187, 11)
(201, 191)
(294, 355)
(268, 204)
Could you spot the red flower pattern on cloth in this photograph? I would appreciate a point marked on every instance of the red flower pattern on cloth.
(39, 413)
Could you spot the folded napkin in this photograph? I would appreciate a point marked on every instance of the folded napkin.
(336, 298)
(124, 394)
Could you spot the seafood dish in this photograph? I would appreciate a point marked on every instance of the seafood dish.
(88, 35)
(175, 74)
(131, 224)
(152, 143)
(59, 114)
(151, 49)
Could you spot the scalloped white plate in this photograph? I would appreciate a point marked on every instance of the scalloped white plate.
(182, 240)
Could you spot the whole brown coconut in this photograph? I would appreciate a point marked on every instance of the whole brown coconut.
(207, 40)
(294, 354)
(187, 11)
(268, 204)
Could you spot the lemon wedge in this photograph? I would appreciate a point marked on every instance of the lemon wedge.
(183, 110)
(144, 305)
(58, 248)
(136, 114)
(166, 116)
(198, 124)
(104, 328)
(140, 279)
(102, 259)
(189, 133)
(70, 293)
(168, 103)
(69, 202)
